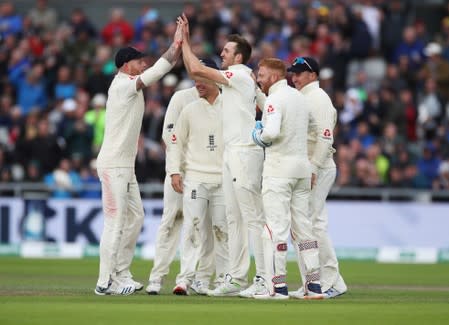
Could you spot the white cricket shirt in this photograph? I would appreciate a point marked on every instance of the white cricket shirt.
(198, 136)
(239, 105)
(285, 120)
(178, 102)
(124, 113)
(321, 132)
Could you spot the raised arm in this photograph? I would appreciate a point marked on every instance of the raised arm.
(193, 66)
(165, 63)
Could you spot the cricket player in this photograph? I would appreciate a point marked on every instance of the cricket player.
(122, 205)
(242, 161)
(286, 181)
(198, 137)
(169, 231)
(320, 151)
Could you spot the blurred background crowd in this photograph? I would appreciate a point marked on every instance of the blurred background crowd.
(385, 70)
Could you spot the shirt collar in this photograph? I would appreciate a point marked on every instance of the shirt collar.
(239, 67)
(122, 74)
(217, 100)
(277, 85)
(309, 87)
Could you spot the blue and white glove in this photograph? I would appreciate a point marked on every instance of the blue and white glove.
(257, 131)
(259, 125)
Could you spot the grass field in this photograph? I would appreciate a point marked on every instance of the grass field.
(61, 292)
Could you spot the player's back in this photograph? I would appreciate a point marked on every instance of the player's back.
(287, 156)
(324, 117)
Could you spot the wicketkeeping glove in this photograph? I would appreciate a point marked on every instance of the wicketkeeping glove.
(257, 131)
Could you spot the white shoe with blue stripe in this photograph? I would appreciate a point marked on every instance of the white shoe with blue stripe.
(332, 293)
(116, 289)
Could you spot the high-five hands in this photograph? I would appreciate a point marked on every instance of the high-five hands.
(184, 22)
(178, 37)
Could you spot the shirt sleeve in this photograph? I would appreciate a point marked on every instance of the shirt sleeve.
(325, 120)
(236, 79)
(176, 146)
(273, 117)
(171, 116)
(154, 73)
(128, 86)
(260, 98)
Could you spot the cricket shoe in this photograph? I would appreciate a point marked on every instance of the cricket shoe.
(137, 285)
(181, 290)
(200, 287)
(297, 294)
(258, 287)
(313, 292)
(116, 289)
(280, 293)
(153, 288)
(227, 289)
(126, 280)
(332, 293)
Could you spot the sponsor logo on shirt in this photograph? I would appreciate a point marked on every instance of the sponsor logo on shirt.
(212, 144)
(270, 109)
(193, 195)
(282, 247)
(228, 74)
(170, 126)
(173, 138)
(327, 133)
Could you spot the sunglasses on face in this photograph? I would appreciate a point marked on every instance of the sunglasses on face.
(301, 60)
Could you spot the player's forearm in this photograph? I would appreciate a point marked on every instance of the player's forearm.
(150, 75)
(191, 62)
(260, 98)
(322, 152)
(173, 159)
(270, 132)
(186, 56)
(272, 128)
(173, 52)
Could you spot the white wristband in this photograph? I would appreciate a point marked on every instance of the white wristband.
(150, 75)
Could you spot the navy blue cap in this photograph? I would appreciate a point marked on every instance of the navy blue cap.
(306, 63)
(127, 54)
(209, 63)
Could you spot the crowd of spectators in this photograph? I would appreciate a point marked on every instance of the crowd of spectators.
(387, 75)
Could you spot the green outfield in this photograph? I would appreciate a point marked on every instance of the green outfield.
(61, 292)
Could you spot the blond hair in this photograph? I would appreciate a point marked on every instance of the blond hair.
(275, 65)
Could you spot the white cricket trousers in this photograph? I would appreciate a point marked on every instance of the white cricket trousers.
(286, 202)
(330, 274)
(204, 248)
(123, 219)
(168, 233)
(242, 180)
